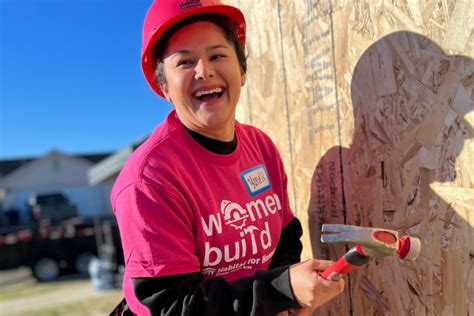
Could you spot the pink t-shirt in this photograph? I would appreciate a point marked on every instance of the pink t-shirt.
(183, 209)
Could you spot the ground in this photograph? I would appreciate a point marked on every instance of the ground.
(20, 294)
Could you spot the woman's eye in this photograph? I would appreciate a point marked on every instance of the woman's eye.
(217, 56)
(185, 62)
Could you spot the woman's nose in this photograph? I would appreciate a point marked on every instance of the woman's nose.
(204, 70)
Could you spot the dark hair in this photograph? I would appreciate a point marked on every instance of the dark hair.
(225, 24)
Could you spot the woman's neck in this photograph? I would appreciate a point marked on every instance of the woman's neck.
(225, 134)
(213, 145)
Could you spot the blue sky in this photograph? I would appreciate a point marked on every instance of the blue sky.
(70, 77)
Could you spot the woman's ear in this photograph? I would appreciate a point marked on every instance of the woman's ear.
(242, 78)
(164, 89)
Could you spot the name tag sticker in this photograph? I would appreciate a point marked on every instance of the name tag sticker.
(256, 179)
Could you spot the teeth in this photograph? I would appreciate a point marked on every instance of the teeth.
(201, 93)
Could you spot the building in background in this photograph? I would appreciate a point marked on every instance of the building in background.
(105, 172)
(55, 172)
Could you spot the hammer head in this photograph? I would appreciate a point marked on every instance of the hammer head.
(375, 242)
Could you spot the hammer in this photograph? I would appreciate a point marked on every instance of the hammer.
(370, 243)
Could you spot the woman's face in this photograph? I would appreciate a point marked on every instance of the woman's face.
(203, 79)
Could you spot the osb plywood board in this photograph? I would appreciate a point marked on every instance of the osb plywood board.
(371, 105)
(403, 170)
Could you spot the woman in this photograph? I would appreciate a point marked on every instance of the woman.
(202, 205)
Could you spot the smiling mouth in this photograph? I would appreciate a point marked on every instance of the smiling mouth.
(211, 95)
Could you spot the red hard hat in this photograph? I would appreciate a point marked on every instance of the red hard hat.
(164, 13)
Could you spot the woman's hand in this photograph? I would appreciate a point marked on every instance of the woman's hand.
(309, 288)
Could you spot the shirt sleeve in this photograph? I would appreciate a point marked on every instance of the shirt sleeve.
(265, 293)
(156, 231)
(288, 250)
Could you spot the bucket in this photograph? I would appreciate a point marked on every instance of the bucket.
(101, 274)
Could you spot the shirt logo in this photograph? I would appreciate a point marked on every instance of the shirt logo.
(256, 179)
(255, 247)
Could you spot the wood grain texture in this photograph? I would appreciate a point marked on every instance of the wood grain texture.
(371, 105)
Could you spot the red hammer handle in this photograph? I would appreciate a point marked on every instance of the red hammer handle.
(335, 271)
(352, 260)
